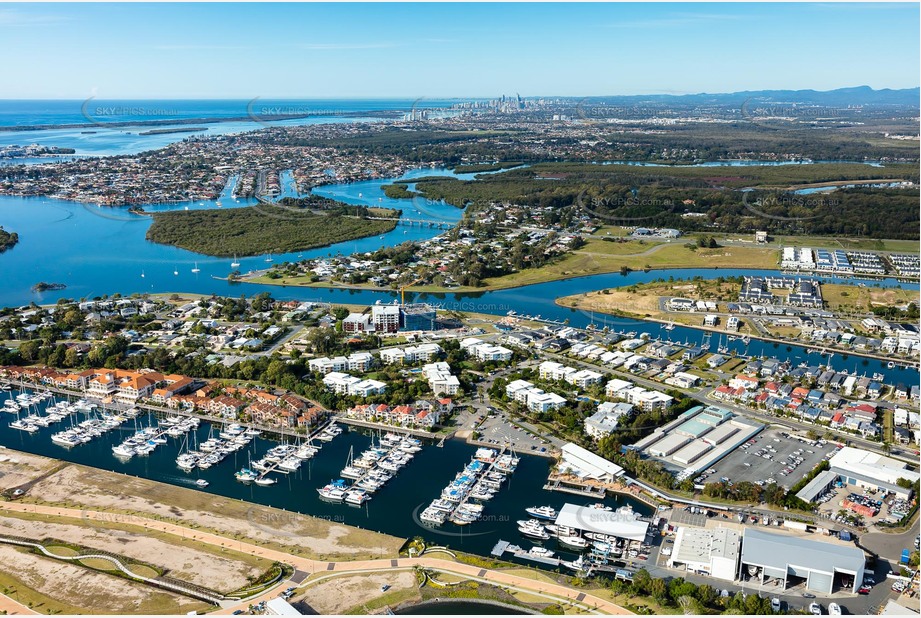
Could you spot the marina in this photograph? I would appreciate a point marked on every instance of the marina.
(372, 469)
(462, 500)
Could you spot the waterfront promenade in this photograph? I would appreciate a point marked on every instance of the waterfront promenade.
(549, 590)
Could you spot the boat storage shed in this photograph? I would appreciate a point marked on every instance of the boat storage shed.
(614, 523)
(587, 465)
(825, 566)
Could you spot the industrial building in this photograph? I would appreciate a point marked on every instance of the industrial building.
(698, 438)
(713, 552)
(817, 486)
(823, 566)
(866, 470)
(586, 464)
(613, 523)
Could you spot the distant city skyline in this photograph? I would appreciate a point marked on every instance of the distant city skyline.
(399, 51)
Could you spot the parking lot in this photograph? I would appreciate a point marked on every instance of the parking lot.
(772, 455)
(495, 429)
(889, 507)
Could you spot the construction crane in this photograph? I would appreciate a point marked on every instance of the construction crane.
(403, 290)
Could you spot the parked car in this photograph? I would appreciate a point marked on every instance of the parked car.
(834, 609)
(775, 604)
(815, 609)
(864, 590)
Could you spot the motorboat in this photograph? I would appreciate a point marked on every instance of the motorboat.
(246, 475)
(540, 552)
(533, 528)
(333, 491)
(201, 483)
(575, 542)
(356, 496)
(542, 512)
(265, 481)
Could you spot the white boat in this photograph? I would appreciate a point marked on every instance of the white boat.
(123, 450)
(65, 438)
(264, 481)
(202, 483)
(533, 528)
(196, 269)
(542, 512)
(24, 426)
(235, 263)
(333, 491)
(575, 542)
(356, 496)
(433, 516)
(245, 475)
(540, 552)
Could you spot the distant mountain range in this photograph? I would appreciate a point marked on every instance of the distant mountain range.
(860, 95)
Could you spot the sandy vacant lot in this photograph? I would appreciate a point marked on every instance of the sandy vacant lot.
(81, 589)
(308, 536)
(186, 563)
(339, 594)
(17, 468)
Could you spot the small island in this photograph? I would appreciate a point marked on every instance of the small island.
(41, 286)
(8, 240)
(254, 230)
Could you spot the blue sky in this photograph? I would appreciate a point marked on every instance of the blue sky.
(307, 51)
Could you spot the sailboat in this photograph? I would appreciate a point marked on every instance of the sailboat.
(235, 263)
(196, 269)
(670, 326)
(176, 271)
(268, 258)
(142, 274)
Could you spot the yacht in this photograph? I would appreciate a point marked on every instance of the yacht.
(245, 475)
(333, 491)
(540, 552)
(575, 542)
(533, 528)
(66, 438)
(433, 516)
(578, 565)
(356, 496)
(123, 450)
(600, 506)
(265, 481)
(352, 472)
(542, 512)
(24, 426)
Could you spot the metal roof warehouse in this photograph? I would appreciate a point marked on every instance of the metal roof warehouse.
(613, 523)
(824, 565)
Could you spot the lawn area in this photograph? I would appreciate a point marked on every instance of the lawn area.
(587, 261)
(62, 550)
(856, 244)
(628, 247)
(856, 298)
(388, 599)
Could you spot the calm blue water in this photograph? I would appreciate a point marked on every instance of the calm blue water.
(392, 510)
(96, 138)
